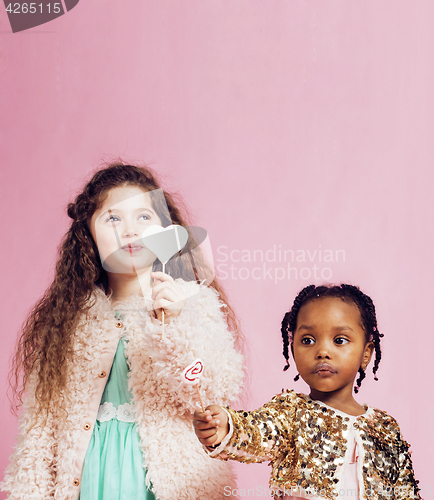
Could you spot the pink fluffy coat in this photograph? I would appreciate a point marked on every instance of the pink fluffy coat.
(48, 460)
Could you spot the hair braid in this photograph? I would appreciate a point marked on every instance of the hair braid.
(369, 319)
(285, 334)
(362, 375)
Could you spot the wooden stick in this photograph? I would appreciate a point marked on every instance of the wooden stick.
(162, 310)
(200, 398)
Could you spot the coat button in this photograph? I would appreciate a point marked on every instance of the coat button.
(87, 426)
(76, 482)
(102, 374)
(119, 324)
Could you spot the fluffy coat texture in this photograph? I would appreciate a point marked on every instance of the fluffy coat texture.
(48, 460)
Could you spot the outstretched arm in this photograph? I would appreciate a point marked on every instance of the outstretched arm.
(254, 436)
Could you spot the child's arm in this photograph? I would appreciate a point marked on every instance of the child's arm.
(387, 450)
(406, 486)
(254, 436)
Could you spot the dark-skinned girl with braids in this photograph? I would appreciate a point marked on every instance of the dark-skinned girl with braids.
(325, 445)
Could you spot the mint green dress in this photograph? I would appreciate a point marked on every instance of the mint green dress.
(113, 467)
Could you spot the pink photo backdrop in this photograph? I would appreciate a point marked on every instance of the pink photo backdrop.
(300, 134)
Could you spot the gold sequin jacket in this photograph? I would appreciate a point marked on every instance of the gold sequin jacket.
(306, 443)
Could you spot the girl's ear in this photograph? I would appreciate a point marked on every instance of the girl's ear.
(367, 354)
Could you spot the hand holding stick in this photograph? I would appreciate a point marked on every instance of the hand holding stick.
(165, 242)
(211, 426)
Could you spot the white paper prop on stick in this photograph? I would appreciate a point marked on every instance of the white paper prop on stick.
(191, 375)
(164, 242)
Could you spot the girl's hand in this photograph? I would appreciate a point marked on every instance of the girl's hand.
(167, 295)
(212, 426)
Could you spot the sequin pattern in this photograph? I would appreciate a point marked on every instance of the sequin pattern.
(305, 443)
(387, 467)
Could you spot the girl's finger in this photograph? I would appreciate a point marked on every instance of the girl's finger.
(203, 426)
(208, 442)
(167, 294)
(202, 416)
(214, 410)
(160, 276)
(164, 304)
(206, 433)
(166, 285)
(209, 424)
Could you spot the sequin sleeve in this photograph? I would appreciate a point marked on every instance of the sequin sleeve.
(406, 486)
(261, 434)
(388, 469)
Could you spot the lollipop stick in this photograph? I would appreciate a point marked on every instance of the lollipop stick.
(200, 397)
(162, 310)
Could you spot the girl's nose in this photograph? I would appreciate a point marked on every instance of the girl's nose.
(322, 353)
(130, 231)
(130, 234)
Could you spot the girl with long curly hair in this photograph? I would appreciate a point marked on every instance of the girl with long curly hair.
(105, 413)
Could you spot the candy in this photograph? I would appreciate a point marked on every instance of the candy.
(193, 372)
(191, 375)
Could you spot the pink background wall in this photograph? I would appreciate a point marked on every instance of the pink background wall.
(294, 125)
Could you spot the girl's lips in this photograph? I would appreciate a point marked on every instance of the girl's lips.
(324, 369)
(132, 248)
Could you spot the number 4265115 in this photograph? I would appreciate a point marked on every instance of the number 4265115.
(33, 8)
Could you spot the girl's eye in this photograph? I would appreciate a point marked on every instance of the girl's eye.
(341, 341)
(113, 218)
(145, 217)
(307, 341)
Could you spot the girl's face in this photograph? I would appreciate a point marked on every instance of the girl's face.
(117, 227)
(329, 346)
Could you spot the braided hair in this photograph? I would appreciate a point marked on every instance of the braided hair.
(348, 293)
